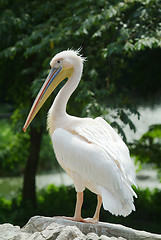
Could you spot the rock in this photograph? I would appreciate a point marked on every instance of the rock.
(57, 228)
(10, 232)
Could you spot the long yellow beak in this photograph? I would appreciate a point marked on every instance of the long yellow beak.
(55, 76)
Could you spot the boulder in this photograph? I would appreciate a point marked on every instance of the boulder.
(47, 228)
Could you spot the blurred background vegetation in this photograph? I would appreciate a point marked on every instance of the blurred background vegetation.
(122, 43)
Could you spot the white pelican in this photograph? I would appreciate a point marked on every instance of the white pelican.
(89, 150)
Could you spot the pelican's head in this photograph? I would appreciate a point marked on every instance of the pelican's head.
(62, 66)
(66, 59)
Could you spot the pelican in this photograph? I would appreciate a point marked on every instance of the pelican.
(89, 150)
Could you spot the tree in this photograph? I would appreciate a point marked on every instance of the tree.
(112, 35)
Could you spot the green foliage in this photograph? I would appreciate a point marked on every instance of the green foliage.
(136, 26)
(47, 158)
(148, 148)
(13, 151)
(57, 201)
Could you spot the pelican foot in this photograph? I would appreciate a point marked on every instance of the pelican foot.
(85, 220)
(72, 218)
(91, 220)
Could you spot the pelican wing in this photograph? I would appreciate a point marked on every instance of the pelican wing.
(100, 133)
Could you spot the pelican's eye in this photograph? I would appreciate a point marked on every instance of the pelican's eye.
(58, 63)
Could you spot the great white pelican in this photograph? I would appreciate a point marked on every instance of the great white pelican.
(89, 150)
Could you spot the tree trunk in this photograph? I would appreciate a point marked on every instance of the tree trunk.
(29, 184)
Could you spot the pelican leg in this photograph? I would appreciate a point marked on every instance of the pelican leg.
(78, 207)
(97, 212)
(95, 218)
(77, 215)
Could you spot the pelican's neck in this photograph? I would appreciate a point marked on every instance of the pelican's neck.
(57, 112)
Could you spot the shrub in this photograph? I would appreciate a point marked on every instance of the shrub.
(58, 201)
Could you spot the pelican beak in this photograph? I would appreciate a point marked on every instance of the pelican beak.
(55, 76)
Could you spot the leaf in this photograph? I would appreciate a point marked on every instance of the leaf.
(111, 12)
(129, 46)
(117, 126)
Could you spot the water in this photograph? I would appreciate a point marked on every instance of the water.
(10, 186)
(57, 179)
(148, 116)
(146, 178)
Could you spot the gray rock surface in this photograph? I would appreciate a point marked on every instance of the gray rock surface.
(46, 228)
